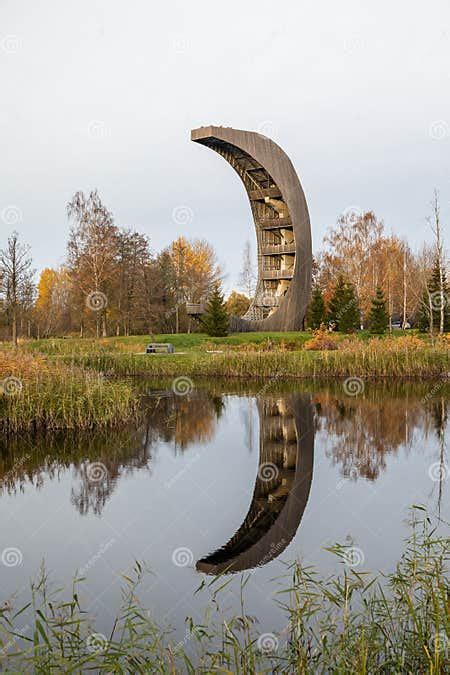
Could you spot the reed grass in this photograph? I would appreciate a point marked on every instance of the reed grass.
(290, 355)
(367, 362)
(352, 622)
(36, 394)
(66, 384)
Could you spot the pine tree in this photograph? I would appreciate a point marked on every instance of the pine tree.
(350, 316)
(336, 302)
(343, 309)
(316, 310)
(433, 294)
(215, 319)
(378, 316)
(423, 313)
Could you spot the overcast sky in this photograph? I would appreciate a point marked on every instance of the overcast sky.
(103, 94)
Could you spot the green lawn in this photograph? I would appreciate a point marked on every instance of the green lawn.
(188, 341)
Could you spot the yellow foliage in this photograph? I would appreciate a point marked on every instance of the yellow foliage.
(20, 364)
(46, 285)
(323, 340)
(444, 341)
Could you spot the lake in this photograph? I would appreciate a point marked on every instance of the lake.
(226, 478)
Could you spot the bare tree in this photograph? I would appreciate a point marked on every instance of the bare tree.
(404, 283)
(247, 279)
(16, 277)
(439, 246)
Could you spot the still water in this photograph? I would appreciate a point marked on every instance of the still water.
(223, 479)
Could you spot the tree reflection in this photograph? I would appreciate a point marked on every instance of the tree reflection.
(359, 433)
(364, 430)
(181, 420)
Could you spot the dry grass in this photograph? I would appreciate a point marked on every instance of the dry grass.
(323, 340)
(369, 360)
(61, 384)
(38, 394)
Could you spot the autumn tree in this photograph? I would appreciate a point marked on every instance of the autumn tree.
(358, 248)
(92, 256)
(351, 252)
(16, 277)
(45, 301)
(132, 287)
(237, 304)
(193, 272)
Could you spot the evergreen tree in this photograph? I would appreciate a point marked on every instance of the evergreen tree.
(378, 316)
(343, 310)
(423, 313)
(215, 319)
(336, 301)
(433, 293)
(316, 310)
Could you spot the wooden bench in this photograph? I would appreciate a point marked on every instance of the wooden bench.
(155, 347)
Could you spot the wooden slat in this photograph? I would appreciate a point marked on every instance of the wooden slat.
(271, 223)
(260, 195)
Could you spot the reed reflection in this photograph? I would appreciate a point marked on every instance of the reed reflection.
(181, 421)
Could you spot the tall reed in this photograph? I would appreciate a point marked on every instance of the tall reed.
(349, 623)
(366, 363)
(37, 394)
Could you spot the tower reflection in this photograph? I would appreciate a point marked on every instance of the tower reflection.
(281, 490)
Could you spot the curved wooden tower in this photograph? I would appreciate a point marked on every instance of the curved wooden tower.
(283, 230)
(281, 489)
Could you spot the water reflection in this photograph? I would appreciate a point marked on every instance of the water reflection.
(35, 460)
(181, 421)
(359, 434)
(281, 490)
(363, 431)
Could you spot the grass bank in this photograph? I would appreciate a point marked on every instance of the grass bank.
(353, 622)
(259, 355)
(59, 384)
(38, 394)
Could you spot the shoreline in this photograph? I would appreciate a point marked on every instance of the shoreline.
(75, 384)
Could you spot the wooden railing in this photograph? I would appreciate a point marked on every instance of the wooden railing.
(284, 273)
(195, 308)
(271, 249)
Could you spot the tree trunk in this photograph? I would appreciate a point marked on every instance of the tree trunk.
(14, 327)
(430, 309)
(404, 290)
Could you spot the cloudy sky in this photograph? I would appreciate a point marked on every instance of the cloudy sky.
(103, 94)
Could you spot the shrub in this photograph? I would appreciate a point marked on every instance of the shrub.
(323, 340)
